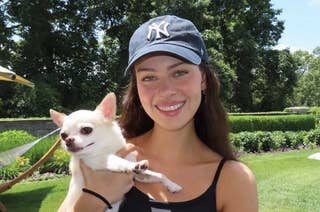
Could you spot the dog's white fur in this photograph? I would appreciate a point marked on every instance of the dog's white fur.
(97, 149)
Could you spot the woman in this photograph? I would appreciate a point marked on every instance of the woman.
(173, 117)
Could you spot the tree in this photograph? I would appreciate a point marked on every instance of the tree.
(61, 50)
(245, 27)
(7, 47)
(307, 91)
(274, 81)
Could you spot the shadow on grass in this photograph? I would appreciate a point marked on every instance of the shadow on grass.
(26, 200)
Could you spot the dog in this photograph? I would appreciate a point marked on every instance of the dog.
(95, 137)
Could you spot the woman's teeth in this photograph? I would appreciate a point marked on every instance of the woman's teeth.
(170, 108)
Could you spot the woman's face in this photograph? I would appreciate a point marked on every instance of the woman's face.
(169, 90)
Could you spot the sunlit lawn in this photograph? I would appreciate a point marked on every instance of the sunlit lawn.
(286, 182)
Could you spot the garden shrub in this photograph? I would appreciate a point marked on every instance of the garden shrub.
(58, 163)
(297, 139)
(313, 137)
(37, 151)
(316, 112)
(271, 123)
(281, 140)
(259, 141)
(14, 169)
(265, 140)
(248, 142)
(13, 138)
(262, 141)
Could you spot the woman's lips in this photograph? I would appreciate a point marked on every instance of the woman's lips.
(171, 109)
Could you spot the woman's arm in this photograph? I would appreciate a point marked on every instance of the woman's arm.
(110, 185)
(237, 190)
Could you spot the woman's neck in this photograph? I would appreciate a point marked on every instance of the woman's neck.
(172, 145)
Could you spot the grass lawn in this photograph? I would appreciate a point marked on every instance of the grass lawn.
(286, 182)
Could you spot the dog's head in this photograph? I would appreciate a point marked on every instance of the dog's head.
(86, 131)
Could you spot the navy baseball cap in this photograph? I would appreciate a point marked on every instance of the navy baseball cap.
(169, 34)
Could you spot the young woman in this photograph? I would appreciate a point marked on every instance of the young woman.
(172, 116)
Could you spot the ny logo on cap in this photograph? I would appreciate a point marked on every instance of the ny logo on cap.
(158, 29)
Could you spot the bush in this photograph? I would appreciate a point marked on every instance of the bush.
(13, 138)
(262, 141)
(13, 170)
(316, 112)
(313, 138)
(271, 123)
(58, 163)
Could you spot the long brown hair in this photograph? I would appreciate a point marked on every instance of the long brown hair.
(211, 123)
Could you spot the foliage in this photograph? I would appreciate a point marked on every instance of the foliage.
(58, 163)
(259, 141)
(307, 92)
(13, 170)
(274, 77)
(271, 123)
(75, 51)
(263, 141)
(13, 138)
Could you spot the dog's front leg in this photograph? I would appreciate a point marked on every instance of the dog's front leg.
(118, 164)
(149, 176)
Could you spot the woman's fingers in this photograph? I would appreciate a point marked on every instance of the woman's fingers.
(126, 150)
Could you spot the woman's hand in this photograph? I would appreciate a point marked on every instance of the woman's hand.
(111, 185)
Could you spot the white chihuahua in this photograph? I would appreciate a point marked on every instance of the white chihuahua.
(95, 137)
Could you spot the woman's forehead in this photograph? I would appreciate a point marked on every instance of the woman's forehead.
(163, 59)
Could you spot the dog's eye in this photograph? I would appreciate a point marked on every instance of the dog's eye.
(86, 130)
(64, 135)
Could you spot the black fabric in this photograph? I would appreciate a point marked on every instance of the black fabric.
(136, 201)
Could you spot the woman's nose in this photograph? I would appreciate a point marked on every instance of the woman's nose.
(167, 88)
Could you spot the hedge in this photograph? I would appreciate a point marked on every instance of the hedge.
(263, 141)
(271, 123)
(260, 141)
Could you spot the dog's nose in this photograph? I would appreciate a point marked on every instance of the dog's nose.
(69, 141)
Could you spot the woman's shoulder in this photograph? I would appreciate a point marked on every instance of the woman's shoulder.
(238, 170)
(237, 187)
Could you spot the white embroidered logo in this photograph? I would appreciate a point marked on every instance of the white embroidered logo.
(158, 29)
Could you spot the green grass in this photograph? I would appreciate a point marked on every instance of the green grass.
(286, 182)
(43, 196)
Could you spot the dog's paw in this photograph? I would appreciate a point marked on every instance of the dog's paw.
(173, 187)
(141, 166)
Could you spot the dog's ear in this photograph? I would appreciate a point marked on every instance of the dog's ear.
(108, 106)
(57, 117)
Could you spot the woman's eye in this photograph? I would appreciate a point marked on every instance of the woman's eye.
(180, 73)
(148, 78)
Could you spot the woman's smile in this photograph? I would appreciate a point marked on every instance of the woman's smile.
(170, 109)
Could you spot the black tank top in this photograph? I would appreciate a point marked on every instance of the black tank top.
(137, 201)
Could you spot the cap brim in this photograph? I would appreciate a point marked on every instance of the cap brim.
(179, 51)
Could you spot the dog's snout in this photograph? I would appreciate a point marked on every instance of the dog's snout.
(69, 141)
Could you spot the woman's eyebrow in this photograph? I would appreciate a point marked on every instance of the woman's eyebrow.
(144, 69)
(169, 67)
(176, 64)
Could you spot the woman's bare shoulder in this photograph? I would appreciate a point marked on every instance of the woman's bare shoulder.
(238, 171)
(237, 190)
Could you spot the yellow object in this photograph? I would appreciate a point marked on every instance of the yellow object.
(7, 75)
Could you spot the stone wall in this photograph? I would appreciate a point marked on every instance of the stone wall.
(36, 127)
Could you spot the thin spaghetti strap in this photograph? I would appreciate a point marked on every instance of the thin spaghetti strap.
(216, 177)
